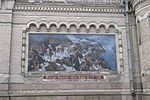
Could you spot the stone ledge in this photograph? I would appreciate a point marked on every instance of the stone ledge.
(68, 92)
(67, 86)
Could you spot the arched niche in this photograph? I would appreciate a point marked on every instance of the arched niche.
(92, 29)
(43, 28)
(53, 28)
(73, 28)
(102, 28)
(82, 28)
(63, 28)
(32, 27)
(112, 29)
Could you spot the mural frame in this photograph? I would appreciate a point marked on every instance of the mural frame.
(25, 53)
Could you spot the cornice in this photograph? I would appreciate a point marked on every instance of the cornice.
(85, 2)
(69, 9)
(136, 2)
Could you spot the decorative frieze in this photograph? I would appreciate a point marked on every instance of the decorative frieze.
(86, 2)
(69, 9)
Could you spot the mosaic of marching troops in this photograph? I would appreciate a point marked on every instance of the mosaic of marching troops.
(65, 55)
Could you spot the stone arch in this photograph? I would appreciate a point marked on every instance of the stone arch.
(32, 27)
(53, 28)
(111, 29)
(54, 23)
(63, 28)
(113, 24)
(102, 28)
(73, 28)
(102, 23)
(92, 23)
(83, 23)
(82, 28)
(63, 23)
(43, 27)
(73, 23)
(32, 22)
(44, 22)
(92, 28)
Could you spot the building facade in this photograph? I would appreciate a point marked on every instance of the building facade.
(74, 49)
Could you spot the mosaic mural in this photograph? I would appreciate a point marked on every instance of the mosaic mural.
(71, 52)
